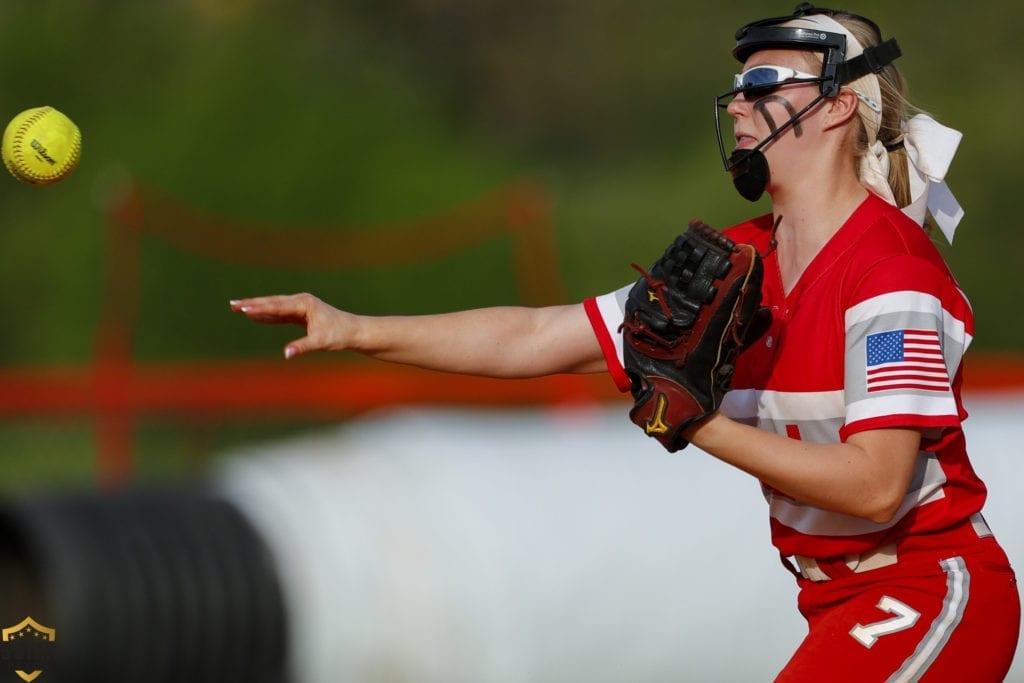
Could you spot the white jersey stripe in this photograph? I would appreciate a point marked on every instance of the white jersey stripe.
(931, 405)
(741, 404)
(958, 592)
(611, 310)
(905, 300)
(791, 406)
(911, 302)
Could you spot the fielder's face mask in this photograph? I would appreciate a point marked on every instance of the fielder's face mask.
(749, 167)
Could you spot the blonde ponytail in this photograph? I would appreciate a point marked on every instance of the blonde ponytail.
(896, 109)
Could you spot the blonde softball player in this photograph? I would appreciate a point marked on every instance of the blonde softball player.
(848, 408)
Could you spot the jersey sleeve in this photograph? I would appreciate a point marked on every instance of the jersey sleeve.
(605, 313)
(906, 333)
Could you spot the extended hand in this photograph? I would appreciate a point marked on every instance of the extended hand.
(327, 328)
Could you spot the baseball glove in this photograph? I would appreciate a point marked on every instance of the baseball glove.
(687, 319)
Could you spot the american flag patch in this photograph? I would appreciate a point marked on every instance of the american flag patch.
(906, 359)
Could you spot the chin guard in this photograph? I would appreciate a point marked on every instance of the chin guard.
(749, 171)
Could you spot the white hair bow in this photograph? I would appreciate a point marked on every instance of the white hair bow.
(930, 147)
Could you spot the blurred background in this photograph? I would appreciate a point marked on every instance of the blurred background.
(362, 116)
(391, 156)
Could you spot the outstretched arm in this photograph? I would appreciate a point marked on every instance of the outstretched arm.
(507, 342)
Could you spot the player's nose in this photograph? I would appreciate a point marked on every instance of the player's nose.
(738, 106)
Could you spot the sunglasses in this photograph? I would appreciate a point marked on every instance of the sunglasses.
(758, 81)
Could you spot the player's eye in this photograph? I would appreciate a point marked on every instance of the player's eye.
(761, 80)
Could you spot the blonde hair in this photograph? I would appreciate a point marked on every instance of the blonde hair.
(896, 109)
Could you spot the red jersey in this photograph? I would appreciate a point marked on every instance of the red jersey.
(871, 336)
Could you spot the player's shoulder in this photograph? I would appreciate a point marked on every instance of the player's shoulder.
(895, 253)
(885, 237)
(888, 230)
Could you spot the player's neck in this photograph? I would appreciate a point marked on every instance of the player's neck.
(809, 219)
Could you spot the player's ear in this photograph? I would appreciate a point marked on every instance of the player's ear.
(841, 108)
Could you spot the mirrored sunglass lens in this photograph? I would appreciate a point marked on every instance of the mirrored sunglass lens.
(761, 77)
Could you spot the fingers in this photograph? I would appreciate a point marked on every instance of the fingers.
(278, 309)
(325, 330)
(297, 348)
(266, 304)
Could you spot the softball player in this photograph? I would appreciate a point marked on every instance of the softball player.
(848, 411)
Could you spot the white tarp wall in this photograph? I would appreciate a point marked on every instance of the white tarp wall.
(535, 547)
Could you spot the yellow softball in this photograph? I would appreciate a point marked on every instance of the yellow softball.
(41, 146)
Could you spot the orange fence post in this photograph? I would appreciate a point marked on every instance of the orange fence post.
(112, 367)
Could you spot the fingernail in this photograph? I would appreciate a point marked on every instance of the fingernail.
(234, 302)
(288, 353)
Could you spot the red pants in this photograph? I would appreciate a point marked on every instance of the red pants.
(939, 614)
